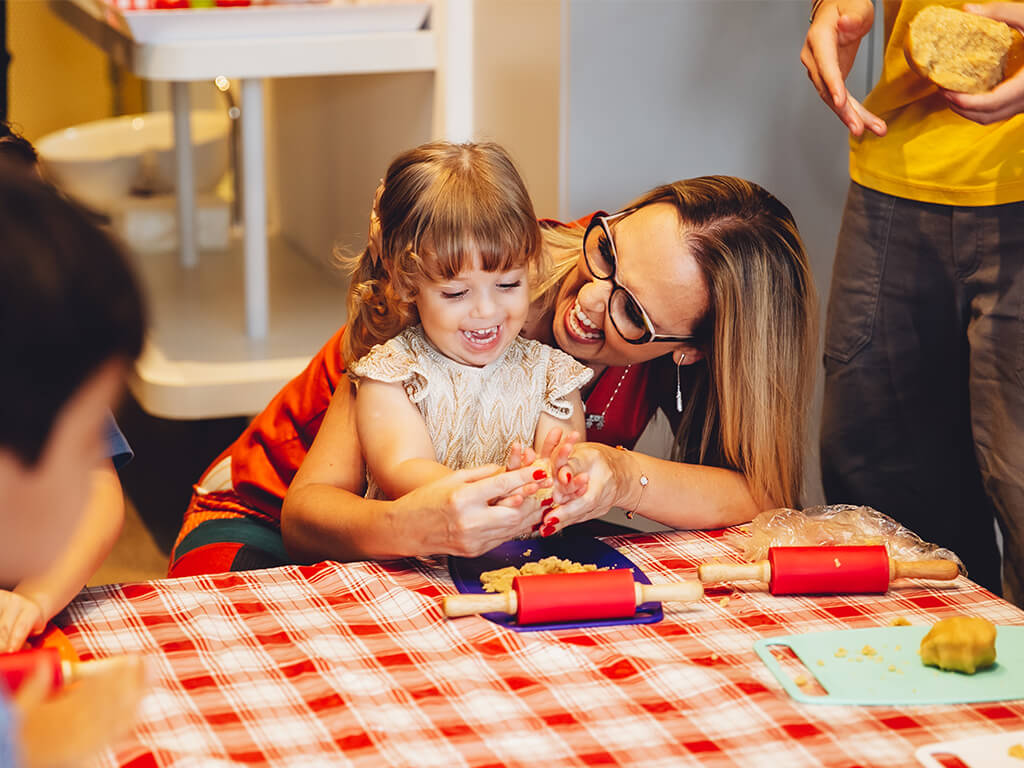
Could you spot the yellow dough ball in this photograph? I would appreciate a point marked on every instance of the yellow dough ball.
(961, 643)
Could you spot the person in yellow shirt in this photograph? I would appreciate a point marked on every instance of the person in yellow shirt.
(924, 346)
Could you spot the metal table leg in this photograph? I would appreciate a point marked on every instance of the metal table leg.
(254, 210)
(185, 179)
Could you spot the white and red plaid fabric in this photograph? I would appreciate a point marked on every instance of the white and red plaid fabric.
(354, 664)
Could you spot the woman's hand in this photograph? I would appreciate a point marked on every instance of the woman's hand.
(1007, 98)
(553, 462)
(463, 514)
(828, 53)
(601, 472)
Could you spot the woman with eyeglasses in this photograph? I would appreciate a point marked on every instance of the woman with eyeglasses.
(696, 299)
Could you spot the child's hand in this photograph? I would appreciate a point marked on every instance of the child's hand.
(520, 456)
(552, 463)
(73, 724)
(19, 618)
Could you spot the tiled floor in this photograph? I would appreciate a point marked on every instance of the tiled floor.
(135, 556)
(169, 457)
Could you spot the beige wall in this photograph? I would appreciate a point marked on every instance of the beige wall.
(516, 72)
(57, 78)
(329, 141)
(330, 138)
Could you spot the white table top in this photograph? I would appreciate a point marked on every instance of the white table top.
(286, 40)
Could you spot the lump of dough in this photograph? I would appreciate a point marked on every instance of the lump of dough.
(961, 643)
(959, 51)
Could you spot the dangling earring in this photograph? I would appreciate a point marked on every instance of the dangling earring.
(679, 388)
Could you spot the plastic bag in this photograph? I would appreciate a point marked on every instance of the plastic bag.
(839, 524)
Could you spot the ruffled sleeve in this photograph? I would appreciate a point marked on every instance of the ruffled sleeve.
(565, 374)
(395, 361)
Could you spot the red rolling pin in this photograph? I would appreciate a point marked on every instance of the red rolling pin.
(828, 570)
(572, 597)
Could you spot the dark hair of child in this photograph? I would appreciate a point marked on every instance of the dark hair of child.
(69, 302)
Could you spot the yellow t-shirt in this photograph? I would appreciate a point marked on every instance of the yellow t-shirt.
(930, 153)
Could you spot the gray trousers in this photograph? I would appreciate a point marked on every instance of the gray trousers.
(924, 375)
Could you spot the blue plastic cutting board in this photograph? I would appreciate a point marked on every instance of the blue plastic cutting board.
(466, 572)
(870, 681)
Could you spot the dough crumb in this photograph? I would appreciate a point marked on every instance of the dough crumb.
(1017, 751)
(801, 681)
(724, 601)
(867, 650)
(820, 663)
(836, 561)
(500, 579)
(840, 653)
(527, 553)
(899, 621)
(714, 657)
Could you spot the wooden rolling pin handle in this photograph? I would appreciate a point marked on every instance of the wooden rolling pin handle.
(711, 573)
(471, 603)
(943, 570)
(680, 591)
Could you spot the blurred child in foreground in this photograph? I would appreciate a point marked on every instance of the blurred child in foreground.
(71, 323)
(27, 605)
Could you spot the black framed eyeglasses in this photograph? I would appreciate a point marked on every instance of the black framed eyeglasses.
(628, 315)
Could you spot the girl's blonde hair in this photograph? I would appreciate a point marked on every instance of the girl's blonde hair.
(748, 402)
(438, 206)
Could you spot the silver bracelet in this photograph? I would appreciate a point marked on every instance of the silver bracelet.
(814, 9)
(643, 487)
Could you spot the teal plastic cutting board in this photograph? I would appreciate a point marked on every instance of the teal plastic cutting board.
(893, 674)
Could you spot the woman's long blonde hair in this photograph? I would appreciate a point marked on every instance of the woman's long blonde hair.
(439, 204)
(748, 402)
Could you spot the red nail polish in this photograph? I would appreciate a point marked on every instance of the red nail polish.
(547, 532)
(539, 474)
(551, 522)
(568, 477)
(547, 502)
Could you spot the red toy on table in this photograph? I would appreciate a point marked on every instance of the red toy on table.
(541, 598)
(828, 570)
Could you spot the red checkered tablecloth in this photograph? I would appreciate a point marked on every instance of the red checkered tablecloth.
(354, 664)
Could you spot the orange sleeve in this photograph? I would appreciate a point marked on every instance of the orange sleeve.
(265, 458)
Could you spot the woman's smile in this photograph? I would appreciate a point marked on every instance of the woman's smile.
(580, 326)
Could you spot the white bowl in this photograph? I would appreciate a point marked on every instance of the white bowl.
(106, 160)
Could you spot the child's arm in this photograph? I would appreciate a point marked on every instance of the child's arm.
(396, 445)
(25, 610)
(547, 422)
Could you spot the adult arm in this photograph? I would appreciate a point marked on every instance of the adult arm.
(828, 53)
(26, 609)
(678, 495)
(1007, 98)
(325, 516)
